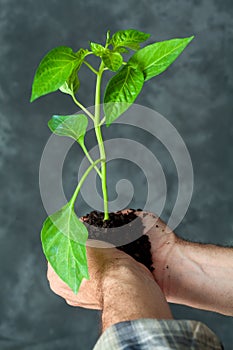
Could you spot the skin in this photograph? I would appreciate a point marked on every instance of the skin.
(187, 273)
(193, 274)
(122, 288)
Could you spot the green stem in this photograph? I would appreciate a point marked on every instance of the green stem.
(102, 121)
(82, 107)
(100, 140)
(103, 171)
(83, 178)
(90, 67)
(89, 158)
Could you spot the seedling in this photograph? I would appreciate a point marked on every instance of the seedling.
(63, 235)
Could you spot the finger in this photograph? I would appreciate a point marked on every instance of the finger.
(93, 306)
(58, 286)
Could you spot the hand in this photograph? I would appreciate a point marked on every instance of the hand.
(162, 241)
(100, 262)
(89, 295)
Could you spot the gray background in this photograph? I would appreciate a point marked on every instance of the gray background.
(195, 94)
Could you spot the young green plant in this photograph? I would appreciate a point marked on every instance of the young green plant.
(63, 235)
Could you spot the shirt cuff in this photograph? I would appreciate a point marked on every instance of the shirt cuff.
(158, 334)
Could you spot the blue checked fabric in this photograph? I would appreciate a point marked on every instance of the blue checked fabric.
(146, 334)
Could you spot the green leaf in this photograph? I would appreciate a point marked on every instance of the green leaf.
(97, 49)
(72, 84)
(156, 58)
(63, 239)
(112, 60)
(108, 39)
(130, 38)
(55, 69)
(74, 126)
(121, 92)
(121, 50)
(81, 54)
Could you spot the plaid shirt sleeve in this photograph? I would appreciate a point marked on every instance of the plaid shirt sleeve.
(146, 334)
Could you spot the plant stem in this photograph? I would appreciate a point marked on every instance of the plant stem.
(90, 67)
(82, 107)
(100, 140)
(83, 178)
(89, 158)
(103, 171)
(102, 121)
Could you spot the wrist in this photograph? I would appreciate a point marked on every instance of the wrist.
(199, 277)
(124, 273)
(185, 275)
(130, 292)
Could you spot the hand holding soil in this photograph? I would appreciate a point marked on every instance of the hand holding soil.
(101, 263)
(188, 273)
(102, 259)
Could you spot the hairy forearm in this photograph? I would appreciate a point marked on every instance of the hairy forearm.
(129, 294)
(200, 276)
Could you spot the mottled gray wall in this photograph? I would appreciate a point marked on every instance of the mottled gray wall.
(195, 95)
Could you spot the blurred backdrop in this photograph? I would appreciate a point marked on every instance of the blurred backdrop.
(195, 95)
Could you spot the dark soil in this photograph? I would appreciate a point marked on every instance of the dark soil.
(122, 230)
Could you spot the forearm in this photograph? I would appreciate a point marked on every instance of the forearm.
(129, 294)
(200, 276)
